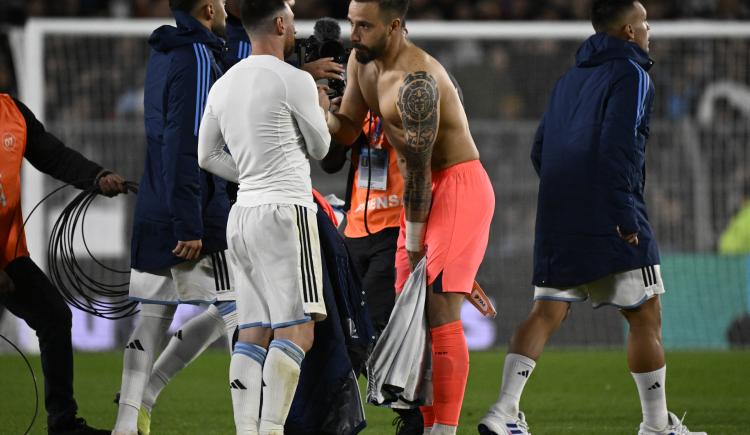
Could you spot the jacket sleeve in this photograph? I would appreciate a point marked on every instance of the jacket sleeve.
(536, 148)
(49, 155)
(212, 156)
(187, 89)
(619, 152)
(302, 96)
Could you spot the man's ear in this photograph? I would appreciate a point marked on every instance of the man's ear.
(206, 11)
(280, 25)
(628, 32)
(395, 25)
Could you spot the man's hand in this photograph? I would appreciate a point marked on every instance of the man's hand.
(189, 250)
(630, 238)
(112, 184)
(6, 285)
(414, 258)
(324, 68)
(335, 105)
(323, 99)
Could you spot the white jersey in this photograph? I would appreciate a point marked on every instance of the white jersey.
(267, 112)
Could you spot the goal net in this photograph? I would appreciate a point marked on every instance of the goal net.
(84, 79)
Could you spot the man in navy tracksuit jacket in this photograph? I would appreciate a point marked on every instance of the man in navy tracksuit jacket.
(179, 228)
(593, 239)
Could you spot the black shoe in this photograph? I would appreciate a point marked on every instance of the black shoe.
(78, 427)
(408, 422)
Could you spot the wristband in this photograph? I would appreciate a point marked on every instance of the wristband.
(415, 236)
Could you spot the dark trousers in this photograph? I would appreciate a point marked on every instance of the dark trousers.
(39, 304)
(374, 258)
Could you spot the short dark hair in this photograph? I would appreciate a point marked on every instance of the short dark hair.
(254, 12)
(394, 8)
(606, 13)
(183, 5)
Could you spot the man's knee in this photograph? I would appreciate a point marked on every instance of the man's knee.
(646, 316)
(302, 335)
(443, 308)
(306, 336)
(56, 321)
(550, 313)
(258, 336)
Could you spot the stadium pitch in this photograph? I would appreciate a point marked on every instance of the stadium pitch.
(571, 392)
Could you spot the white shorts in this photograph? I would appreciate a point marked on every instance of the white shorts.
(624, 290)
(201, 281)
(274, 251)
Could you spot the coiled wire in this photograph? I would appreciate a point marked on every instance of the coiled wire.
(108, 300)
(77, 287)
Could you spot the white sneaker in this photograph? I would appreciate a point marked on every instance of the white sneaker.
(674, 427)
(499, 424)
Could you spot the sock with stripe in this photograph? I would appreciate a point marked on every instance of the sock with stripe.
(184, 346)
(280, 376)
(652, 391)
(245, 380)
(450, 368)
(228, 311)
(516, 372)
(145, 342)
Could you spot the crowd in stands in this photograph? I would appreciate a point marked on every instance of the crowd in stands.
(420, 9)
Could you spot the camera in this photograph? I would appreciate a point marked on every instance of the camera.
(325, 42)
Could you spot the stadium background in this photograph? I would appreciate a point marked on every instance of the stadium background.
(698, 155)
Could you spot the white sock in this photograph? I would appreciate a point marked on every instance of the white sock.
(184, 346)
(245, 380)
(280, 375)
(516, 372)
(443, 429)
(144, 343)
(651, 389)
(228, 311)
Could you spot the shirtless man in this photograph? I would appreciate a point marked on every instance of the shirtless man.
(448, 198)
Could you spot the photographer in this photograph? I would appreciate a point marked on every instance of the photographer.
(323, 55)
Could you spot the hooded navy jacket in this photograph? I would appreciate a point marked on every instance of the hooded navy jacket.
(590, 155)
(176, 199)
(238, 43)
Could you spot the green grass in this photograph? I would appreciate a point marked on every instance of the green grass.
(571, 392)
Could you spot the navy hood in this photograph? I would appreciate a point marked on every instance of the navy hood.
(235, 30)
(188, 31)
(601, 47)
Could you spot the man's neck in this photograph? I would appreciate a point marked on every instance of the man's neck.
(205, 23)
(391, 54)
(264, 46)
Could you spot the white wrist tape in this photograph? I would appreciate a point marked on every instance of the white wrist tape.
(415, 236)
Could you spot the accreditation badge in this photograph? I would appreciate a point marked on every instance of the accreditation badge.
(373, 166)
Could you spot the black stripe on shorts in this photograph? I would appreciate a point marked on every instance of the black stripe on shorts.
(311, 264)
(213, 264)
(228, 284)
(302, 255)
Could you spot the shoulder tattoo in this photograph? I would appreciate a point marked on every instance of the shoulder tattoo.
(418, 101)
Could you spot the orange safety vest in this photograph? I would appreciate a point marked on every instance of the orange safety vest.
(384, 206)
(12, 148)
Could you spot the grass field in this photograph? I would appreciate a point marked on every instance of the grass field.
(571, 392)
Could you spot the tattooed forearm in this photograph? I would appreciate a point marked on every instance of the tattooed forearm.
(419, 104)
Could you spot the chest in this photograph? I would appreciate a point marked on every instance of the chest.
(380, 92)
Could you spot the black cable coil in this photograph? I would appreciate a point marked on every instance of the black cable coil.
(77, 287)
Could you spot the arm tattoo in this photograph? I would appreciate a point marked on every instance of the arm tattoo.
(419, 104)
